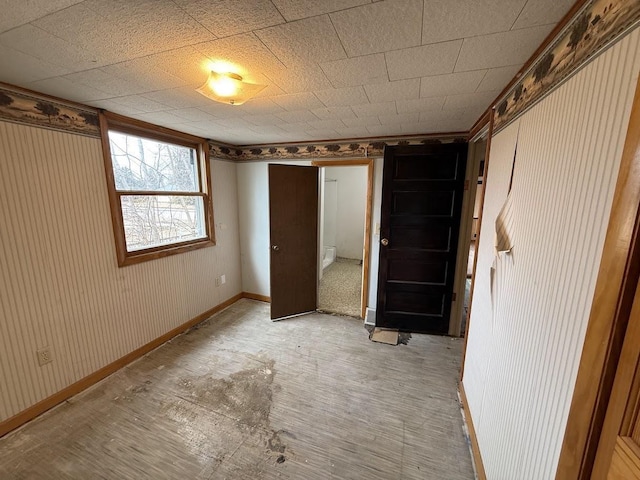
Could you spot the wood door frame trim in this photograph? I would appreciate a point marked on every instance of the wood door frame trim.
(473, 439)
(475, 258)
(466, 226)
(623, 404)
(368, 162)
(612, 299)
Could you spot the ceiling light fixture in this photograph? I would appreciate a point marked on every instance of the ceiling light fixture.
(229, 88)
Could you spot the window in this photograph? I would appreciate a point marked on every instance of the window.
(159, 189)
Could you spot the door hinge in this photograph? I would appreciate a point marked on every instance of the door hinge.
(466, 185)
(453, 297)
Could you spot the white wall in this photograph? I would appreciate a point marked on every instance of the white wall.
(351, 209)
(330, 212)
(524, 346)
(60, 285)
(253, 195)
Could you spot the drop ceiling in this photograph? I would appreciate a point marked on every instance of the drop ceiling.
(335, 69)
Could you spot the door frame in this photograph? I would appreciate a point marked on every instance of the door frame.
(466, 225)
(612, 300)
(366, 162)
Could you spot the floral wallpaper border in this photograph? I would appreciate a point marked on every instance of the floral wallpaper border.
(21, 107)
(360, 148)
(597, 25)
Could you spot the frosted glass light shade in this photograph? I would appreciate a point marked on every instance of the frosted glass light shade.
(229, 88)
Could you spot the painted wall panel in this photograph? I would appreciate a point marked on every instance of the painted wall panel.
(60, 285)
(351, 205)
(526, 339)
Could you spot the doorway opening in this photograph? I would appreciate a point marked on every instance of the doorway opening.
(344, 231)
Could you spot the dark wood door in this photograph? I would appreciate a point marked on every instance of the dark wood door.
(293, 211)
(422, 190)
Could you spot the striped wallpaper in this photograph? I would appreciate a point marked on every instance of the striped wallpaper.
(524, 345)
(60, 285)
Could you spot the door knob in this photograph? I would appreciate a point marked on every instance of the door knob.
(384, 242)
(275, 248)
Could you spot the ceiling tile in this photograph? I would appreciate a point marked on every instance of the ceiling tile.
(15, 14)
(245, 53)
(355, 132)
(305, 78)
(361, 121)
(326, 124)
(299, 116)
(110, 84)
(63, 88)
(143, 72)
(340, 97)
(177, 97)
(333, 112)
(256, 106)
(164, 118)
(451, 84)
(267, 129)
(140, 103)
(19, 68)
(399, 119)
(449, 20)
(193, 114)
(115, 107)
(419, 105)
(470, 100)
(145, 27)
(542, 12)
(186, 63)
(229, 17)
(423, 61)
(121, 30)
(357, 71)
(298, 101)
(272, 89)
(324, 134)
(500, 49)
(259, 120)
(297, 9)
(295, 127)
(40, 44)
(498, 78)
(384, 130)
(443, 121)
(224, 111)
(388, 92)
(379, 27)
(312, 40)
(375, 109)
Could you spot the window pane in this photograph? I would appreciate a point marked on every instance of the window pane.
(151, 165)
(154, 220)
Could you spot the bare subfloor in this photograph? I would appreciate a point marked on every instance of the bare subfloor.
(241, 397)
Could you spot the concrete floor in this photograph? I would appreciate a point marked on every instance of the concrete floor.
(241, 397)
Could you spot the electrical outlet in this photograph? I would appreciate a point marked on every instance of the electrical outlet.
(223, 279)
(44, 356)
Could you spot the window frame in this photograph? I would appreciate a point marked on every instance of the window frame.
(118, 123)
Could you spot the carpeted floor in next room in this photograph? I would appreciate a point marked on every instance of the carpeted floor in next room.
(341, 287)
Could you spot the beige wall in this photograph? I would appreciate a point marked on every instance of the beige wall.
(59, 281)
(526, 336)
